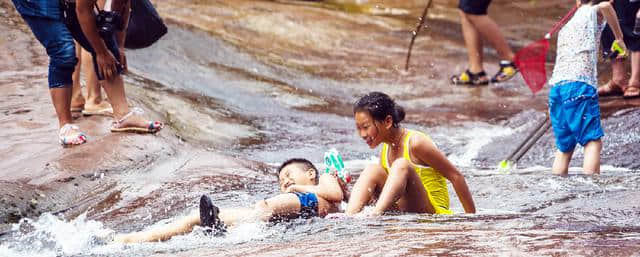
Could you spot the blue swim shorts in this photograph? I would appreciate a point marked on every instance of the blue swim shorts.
(308, 204)
(575, 114)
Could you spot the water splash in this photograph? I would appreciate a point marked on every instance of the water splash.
(50, 235)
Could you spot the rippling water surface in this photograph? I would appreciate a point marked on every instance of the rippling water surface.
(265, 113)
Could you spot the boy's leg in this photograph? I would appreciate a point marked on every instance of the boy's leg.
(591, 163)
(405, 187)
(561, 163)
(370, 183)
(178, 227)
(280, 205)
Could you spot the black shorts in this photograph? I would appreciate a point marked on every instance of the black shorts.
(626, 12)
(475, 7)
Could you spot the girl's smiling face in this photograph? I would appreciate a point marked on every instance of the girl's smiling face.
(369, 130)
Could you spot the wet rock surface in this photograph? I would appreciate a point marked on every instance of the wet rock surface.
(244, 85)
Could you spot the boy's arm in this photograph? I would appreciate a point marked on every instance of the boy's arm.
(606, 9)
(327, 188)
(178, 227)
(427, 152)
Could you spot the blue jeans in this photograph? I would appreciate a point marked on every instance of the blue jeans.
(575, 114)
(57, 40)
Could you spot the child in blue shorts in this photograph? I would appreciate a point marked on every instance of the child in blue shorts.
(305, 194)
(573, 98)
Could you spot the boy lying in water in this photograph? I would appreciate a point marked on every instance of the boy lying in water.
(305, 194)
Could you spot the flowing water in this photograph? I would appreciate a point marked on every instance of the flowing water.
(240, 104)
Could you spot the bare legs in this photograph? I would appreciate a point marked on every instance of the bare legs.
(591, 163)
(475, 26)
(282, 204)
(94, 104)
(402, 188)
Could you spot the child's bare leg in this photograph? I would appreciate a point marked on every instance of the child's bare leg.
(233, 216)
(403, 183)
(369, 183)
(280, 205)
(591, 163)
(561, 163)
(178, 227)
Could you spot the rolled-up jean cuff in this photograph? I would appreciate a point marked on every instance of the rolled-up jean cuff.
(60, 77)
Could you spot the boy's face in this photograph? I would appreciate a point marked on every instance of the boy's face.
(296, 174)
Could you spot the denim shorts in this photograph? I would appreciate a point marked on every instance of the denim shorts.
(57, 40)
(475, 7)
(575, 114)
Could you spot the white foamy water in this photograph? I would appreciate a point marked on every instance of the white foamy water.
(51, 236)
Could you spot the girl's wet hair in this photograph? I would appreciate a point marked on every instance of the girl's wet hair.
(379, 105)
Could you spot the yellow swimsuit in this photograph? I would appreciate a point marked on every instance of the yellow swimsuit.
(434, 183)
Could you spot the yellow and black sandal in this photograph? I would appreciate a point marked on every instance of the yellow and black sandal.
(507, 71)
(469, 78)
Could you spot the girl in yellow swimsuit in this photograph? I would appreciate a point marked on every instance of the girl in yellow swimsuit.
(412, 171)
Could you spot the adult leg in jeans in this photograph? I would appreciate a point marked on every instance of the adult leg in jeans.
(57, 40)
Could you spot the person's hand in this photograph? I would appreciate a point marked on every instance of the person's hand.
(107, 64)
(343, 185)
(623, 46)
(123, 59)
(292, 189)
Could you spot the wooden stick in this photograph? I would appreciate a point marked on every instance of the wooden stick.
(415, 33)
(527, 139)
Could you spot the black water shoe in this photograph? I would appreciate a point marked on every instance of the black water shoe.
(209, 217)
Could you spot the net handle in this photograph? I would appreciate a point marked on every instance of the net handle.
(561, 22)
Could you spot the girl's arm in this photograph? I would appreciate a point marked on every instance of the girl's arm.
(327, 188)
(178, 227)
(425, 151)
(606, 9)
